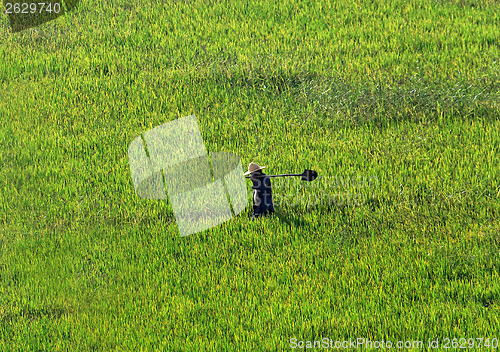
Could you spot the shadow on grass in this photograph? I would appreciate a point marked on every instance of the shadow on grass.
(291, 219)
(51, 312)
(373, 103)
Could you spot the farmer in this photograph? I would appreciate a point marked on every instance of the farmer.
(262, 194)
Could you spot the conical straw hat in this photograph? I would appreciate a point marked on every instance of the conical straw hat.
(252, 167)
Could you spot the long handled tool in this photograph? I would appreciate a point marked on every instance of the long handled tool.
(307, 175)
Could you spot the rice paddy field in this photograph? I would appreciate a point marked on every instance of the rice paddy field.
(394, 103)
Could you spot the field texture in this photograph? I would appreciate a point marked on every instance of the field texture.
(396, 104)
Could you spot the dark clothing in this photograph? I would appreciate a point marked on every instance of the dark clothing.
(262, 194)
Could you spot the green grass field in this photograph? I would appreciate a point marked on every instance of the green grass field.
(395, 104)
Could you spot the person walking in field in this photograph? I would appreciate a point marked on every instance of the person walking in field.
(262, 194)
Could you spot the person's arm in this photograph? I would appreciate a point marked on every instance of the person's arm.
(267, 182)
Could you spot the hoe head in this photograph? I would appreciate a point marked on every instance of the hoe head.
(309, 175)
